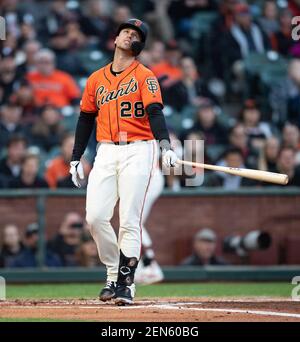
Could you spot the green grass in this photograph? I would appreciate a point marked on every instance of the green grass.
(88, 291)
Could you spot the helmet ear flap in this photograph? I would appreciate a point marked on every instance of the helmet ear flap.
(137, 47)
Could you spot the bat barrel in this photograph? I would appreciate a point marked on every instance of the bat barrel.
(262, 176)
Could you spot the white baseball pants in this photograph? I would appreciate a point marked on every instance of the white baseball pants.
(119, 172)
(155, 189)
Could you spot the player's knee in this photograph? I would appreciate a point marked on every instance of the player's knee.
(94, 218)
(130, 225)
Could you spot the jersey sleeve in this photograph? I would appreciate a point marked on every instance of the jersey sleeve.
(87, 103)
(150, 90)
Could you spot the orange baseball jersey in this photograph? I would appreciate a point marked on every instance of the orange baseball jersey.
(121, 101)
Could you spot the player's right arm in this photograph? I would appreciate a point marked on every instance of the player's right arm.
(84, 128)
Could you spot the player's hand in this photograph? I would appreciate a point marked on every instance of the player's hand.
(76, 170)
(169, 158)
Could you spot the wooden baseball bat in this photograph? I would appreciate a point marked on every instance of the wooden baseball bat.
(263, 176)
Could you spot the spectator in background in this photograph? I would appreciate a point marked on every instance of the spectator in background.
(190, 90)
(29, 256)
(269, 19)
(268, 155)
(294, 109)
(121, 14)
(182, 11)
(87, 253)
(168, 71)
(50, 85)
(12, 246)
(158, 53)
(145, 58)
(10, 122)
(30, 49)
(57, 173)
(10, 166)
(66, 243)
(219, 29)
(287, 164)
(159, 20)
(23, 96)
(94, 23)
(27, 32)
(238, 138)
(15, 19)
(8, 78)
(284, 97)
(54, 21)
(256, 130)
(70, 39)
(282, 40)
(244, 37)
(232, 157)
(206, 122)
(47, 132)
(291, 138)
(204, 250)
(66, 45)
(29, 177)
(8, 47)
(225, 17)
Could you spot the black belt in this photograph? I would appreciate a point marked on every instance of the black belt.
(123, 142)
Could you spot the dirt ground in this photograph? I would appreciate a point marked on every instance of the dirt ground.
(157, 310)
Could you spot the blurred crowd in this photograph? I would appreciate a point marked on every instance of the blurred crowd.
(229, 72)
(71, 246)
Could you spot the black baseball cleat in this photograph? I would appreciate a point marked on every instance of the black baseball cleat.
(124, 294)
(108, 292)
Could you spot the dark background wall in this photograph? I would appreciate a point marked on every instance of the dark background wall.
(175, 219)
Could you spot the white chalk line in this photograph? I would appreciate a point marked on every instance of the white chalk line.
(177, 306)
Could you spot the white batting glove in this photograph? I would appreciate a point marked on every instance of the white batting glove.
(76, 170)
(169, 158)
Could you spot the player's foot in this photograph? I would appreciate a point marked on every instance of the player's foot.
(148, 274)
(109, 291)
(125, 294)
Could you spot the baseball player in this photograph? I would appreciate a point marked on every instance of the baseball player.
(124, 99)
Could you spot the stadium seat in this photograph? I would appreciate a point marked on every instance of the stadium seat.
(81, 81)
(69, 122)
(215, 151)
(53, 153)
(256, 63)
(92, 60)
(188, 117)
(201, 23)
(43, 158)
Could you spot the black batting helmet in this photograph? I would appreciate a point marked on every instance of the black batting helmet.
(141, 28)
